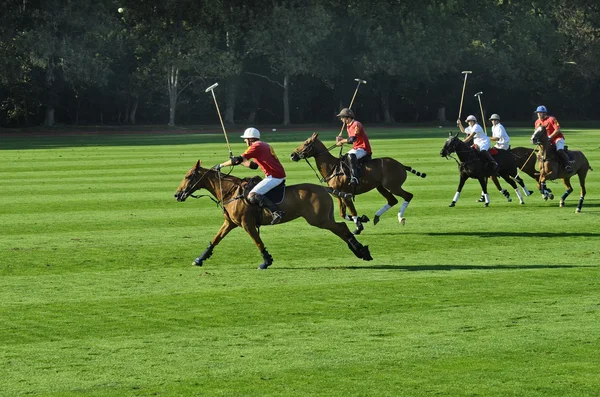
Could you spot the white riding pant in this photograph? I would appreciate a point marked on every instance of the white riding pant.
(266, 185)
(360, 153)
(560, 144)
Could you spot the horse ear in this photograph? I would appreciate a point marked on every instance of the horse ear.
(456, 135)
(314, 135)
(198, 164)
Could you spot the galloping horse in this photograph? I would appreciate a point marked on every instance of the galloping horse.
(384, 174)
(471, 166)
(312, 202)
(551, 169)
(525, 162)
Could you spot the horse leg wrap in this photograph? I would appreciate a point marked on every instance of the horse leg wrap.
(579, 205)
(205, 255)
(564, 197)
(268, 259)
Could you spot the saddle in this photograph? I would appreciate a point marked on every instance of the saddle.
(276, 194)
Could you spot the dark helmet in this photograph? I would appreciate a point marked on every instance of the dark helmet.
(345, 112)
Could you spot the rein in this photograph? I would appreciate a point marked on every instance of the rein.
(329, 176)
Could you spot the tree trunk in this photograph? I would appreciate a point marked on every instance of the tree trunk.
(232, 88)
(441, 113)
(286, 100)
(172, 84)
(385, 108)
(49, 120)
(134, 107)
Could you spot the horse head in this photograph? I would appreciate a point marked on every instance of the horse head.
(450, 145)
(190, 182)
(306, 150)
(539, 136)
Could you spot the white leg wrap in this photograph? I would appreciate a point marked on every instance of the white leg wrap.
(402, 209)
(520, 195)
(383, 210)
(456, 196)
(487, 198)
(355, 219)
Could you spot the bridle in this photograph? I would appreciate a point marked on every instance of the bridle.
(221, 177)
(303, 154)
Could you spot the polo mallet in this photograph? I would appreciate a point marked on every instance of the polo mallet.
(352, 101)
(478, 95)
(466, 73)
(212, 90)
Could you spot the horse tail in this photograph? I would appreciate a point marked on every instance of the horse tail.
(338, 193)
(417, 173)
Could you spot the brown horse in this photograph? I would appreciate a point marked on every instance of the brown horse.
(309, 201)
(384, 174)
(551, 169)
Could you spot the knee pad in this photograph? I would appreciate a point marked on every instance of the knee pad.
(255, 199)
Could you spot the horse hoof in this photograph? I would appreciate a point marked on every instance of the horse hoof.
(375, 220)
(452, 204)
(263, 266)
(551, 196)
(364, 219)
(197, 262)
(358, 230)
(522, 202)
(561, 204)
(528, 193)
(401, 220)
(366, 254)
(578, 211)
(487, 205)
(509, 199)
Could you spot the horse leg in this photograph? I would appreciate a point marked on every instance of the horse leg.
(225, 228)
(407, 196)
(342, 207)
(567, 183)
(503, 191)
(511, 181)
(545, 192)
(521, 182)
(249, 226)
(582, 172)
(483, 182)
(391, 201)
(461, 184)
(341, 230)
(358, 220)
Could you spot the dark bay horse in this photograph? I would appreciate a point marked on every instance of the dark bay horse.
(384, 174)
(472, 166)
(525, 160)
(551, 169)
(309, 201)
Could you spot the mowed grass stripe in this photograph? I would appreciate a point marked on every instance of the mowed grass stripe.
(99, 296)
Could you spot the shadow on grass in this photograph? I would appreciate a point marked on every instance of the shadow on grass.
(435, 267)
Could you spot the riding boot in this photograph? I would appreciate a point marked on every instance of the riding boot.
(490, 159)
(564, 158)
(353, 168)
(276, 213)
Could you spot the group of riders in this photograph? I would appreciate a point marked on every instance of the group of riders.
(264, 156)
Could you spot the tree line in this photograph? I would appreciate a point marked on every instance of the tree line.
(293, 61)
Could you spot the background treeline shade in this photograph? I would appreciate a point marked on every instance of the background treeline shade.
(285, 62)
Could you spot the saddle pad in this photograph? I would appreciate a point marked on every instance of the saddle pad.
(493, 151)
(276, 194)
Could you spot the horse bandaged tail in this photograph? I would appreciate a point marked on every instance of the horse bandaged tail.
(417, 173)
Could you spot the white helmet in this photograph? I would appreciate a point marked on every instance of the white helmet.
(471, 118)
(251, 133)
(495, 116)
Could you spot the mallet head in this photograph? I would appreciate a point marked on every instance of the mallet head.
(479, 93)
(467, 71)
(361, 81)
(212, 87)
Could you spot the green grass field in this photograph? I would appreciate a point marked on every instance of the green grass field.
(98, 296)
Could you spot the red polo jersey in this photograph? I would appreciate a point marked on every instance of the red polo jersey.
(355, 128)
(551, 125)
(265, 157)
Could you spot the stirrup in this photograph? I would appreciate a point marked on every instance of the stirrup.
(277, 217)
(354, 180)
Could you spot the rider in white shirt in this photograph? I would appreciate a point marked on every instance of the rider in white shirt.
(499, 134)
(480, 139)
